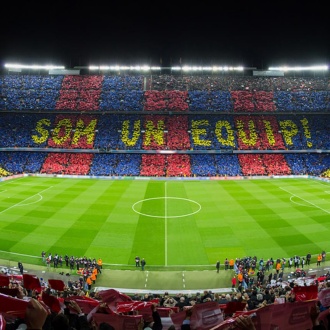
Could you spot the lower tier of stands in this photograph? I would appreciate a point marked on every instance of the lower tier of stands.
(159, 165)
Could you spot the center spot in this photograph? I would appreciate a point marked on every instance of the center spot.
(166, 207)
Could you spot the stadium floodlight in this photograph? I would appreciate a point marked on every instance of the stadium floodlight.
(300, 68)
(192, 68)
(93, 67)
(123, 68)
(103, 68)
(33, 67)
(227, 68)
(208, 68)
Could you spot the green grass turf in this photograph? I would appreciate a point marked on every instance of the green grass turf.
(173, 224)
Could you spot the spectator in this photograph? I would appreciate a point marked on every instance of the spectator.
(217, 266)
(244, 322)
(186, 322)
(20, 267)
(182, 303)
(170, 302)
(36, 315)
(156, 323)
(137, 261)
(233, 282)
(143, 264)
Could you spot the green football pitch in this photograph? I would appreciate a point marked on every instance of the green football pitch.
(173, 224)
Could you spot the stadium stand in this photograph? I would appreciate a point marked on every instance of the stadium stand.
(188, 126)
(215, 126)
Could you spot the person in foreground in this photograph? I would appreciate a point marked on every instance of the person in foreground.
(35, 315)
(186, 322)
(314, 314)
(38, 317)
(244, 322)
(156, 324)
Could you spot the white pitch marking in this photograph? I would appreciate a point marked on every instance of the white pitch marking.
(305, 200)
(22, 204)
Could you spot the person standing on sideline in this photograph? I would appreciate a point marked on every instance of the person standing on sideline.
(302, 262)
(226, 264)
(137, 261)
(233, 283)
(319, 259)
(143, 263)
(100, 263)
(323, 256)
(89, 283)
(231, 263)
(308, 258)
(217, 266)
(21, 268)
(48, 263)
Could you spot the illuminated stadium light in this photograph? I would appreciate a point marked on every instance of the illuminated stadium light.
(34, 67)
(207, 68)
(93, 67)
(123, 68)
(227, 68)
(300, 68)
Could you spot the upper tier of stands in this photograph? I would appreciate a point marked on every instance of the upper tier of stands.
(164, 93)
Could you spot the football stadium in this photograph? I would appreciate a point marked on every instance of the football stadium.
(152, 176)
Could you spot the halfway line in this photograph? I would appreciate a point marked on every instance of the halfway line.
(165, 223)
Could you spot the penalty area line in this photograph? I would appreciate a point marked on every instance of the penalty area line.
(26, 199)
(320, 208)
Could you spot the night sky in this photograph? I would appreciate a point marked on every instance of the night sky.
(252, 34)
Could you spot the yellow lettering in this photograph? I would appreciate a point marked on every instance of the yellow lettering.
(44, 134)
(125, 134)
(155, 133)
(82, 130)
(62, 131)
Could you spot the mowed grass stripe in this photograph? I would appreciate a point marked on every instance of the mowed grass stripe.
(305, 215)
(116, 237)
(313, 218)
(184, 241)
(250, 235)
(293, 223)
(280, 237)
(214, 221)
(32, 212)
(149, 239)
(246, 236)
(59, 201)
(289, 206)
(313, 200)
(88, 222)
(17, 220)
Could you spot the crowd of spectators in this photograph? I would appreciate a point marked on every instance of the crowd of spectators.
(198, 125)
(83, 308)
(224, 93)
(237, 83)
(106, 116)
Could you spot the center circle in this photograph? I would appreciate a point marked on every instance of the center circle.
(158, 207)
